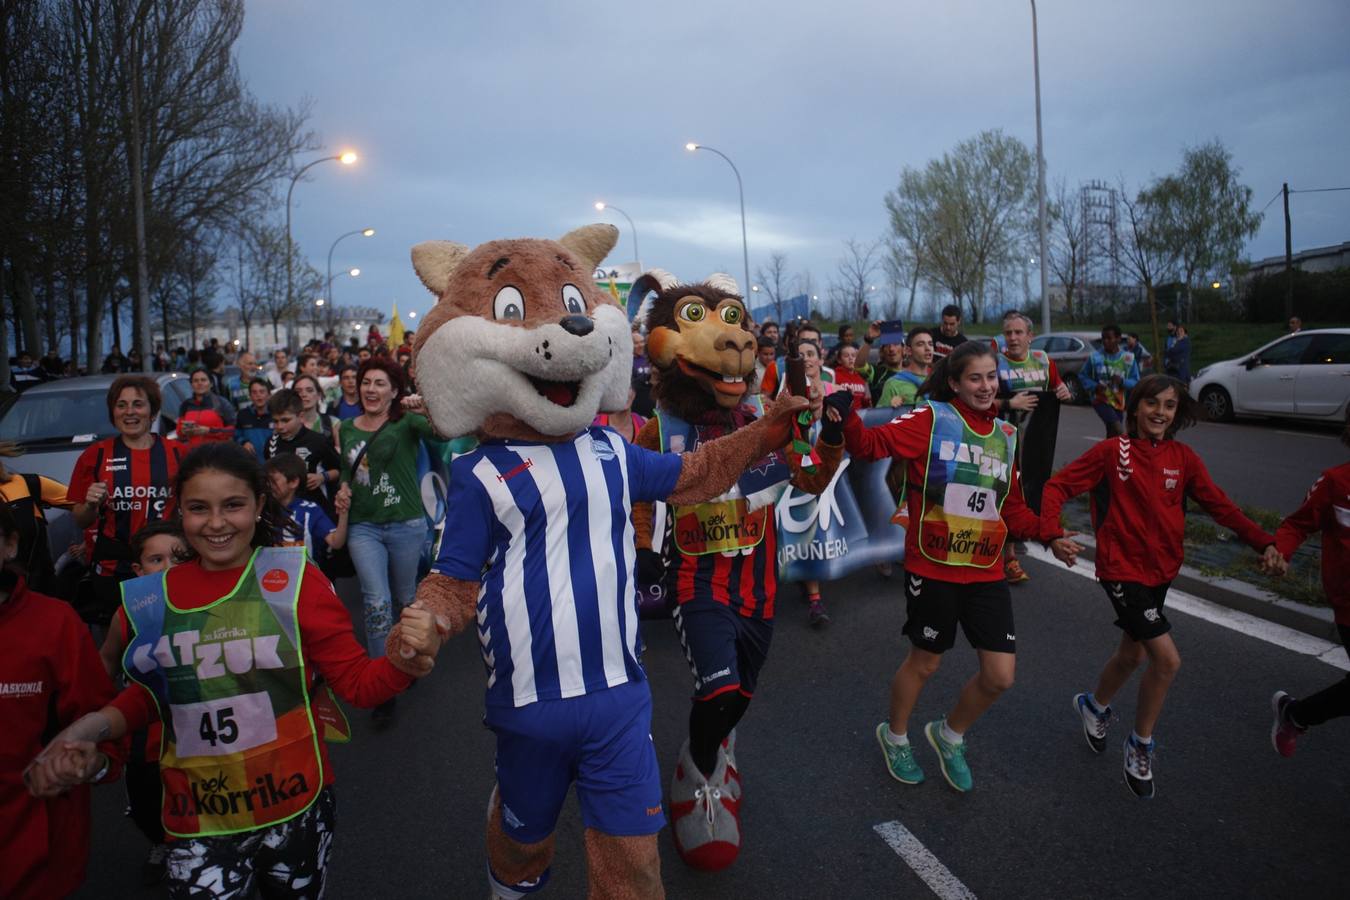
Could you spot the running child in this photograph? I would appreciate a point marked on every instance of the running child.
(1325, 509)
(154, 548)
(1108, 376)
(309, 525)
(248, 797)
(964, 495)
(1139, 483)
(51, 676)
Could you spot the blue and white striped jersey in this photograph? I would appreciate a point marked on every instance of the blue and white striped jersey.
(546, 529)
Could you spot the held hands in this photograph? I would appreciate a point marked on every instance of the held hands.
(62, 766)
(416, 639)
(1065, 549)
(415, 404)
(1024, 401)
(1273, 562)
(342, 503)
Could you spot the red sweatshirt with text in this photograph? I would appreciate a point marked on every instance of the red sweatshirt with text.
(1325, 509)
(326, 641)
(907, 438)
(1138, 488)
(50, 675)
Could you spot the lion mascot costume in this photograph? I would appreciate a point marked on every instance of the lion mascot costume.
(720, 560)
(522, 351)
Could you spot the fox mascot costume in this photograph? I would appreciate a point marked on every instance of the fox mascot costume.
(522, 351)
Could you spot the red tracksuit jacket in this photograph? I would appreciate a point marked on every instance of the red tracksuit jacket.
(50, 675)
(1137, 510)
(1325, 509)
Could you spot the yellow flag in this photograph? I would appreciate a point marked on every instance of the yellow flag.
(395, 339)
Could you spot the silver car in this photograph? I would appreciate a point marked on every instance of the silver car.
(1301, 376)
(1069, 351)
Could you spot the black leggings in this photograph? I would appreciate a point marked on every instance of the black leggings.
(1328, 703)
(710, 721)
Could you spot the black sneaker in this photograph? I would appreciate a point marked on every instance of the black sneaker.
(1139, 767)
(1094, 725)
(817, 615)
(382, 716)
(155, 865)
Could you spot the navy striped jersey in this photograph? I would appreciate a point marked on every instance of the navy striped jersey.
(139, 492)
(546, 529)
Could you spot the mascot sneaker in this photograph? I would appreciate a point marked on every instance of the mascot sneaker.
(733, 771)
(704, 814)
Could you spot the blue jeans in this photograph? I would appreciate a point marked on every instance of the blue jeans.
(386, 563)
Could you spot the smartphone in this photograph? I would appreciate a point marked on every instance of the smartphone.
(892, 332)
(796, 376)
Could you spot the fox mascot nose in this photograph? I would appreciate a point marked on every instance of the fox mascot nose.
(578, 325)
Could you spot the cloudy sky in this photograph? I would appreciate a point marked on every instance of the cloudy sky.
(481, 120)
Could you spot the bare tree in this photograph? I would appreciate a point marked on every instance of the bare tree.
(1147, 251)
(910, 211)
(853, 285)
(1066, 243)
(773, 280)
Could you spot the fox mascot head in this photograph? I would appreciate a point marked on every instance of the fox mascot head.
(521, 343)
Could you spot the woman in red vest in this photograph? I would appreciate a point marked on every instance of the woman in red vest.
(225, 652)
(205, 416)
(964, 501)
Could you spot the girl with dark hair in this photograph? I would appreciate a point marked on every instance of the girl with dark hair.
(1325, 509)
(225, 653)
(1139, 482)
(311, 394)
(206, 415)
(387, 522)
(965, 500)
(49, 667)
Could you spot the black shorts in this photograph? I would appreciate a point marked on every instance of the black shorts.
(1139, 608)
(983, 609)
(725, 649)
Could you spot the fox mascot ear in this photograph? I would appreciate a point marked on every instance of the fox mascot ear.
(435, 262)
(591, 243)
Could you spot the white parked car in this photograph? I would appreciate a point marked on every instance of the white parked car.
(1303, 376)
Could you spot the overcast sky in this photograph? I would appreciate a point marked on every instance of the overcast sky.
(483, 120)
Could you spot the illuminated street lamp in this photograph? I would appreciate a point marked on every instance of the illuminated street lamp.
(637, 257)
(745, 246)
(364, 232)
(347, 158)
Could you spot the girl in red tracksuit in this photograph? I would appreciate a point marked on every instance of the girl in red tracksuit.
(1325, 509)
(49, 676)
(964, 501)
(1139, 482)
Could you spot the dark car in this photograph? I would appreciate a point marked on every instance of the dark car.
(1069, 351)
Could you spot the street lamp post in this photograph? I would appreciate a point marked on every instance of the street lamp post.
(346, 158)
(1040, 176)
(637, 256)
(313, 319)
(745, 246)
(364, 232)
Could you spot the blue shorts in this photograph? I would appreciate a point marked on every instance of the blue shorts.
(602, 741)
(725, 649)
(1108, 414)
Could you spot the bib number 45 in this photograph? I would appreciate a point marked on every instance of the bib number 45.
(225, 729)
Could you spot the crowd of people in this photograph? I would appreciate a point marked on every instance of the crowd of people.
(288, 476)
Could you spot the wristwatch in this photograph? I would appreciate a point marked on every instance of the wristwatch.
(101, 773)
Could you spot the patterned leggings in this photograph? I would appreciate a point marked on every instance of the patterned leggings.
(289, 859)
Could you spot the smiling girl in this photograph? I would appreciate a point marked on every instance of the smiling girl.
(225, 653)
(1138, 482)
(965, 496)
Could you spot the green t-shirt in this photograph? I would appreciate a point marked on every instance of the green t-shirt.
(385, 489)
(902, 387)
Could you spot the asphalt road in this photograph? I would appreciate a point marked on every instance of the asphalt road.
(1047, 818)
(1270, 464)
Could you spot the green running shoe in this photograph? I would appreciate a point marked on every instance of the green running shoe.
(951, 756)
(899, 760)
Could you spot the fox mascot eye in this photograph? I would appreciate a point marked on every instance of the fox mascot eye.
(572, 299)
(508, 305)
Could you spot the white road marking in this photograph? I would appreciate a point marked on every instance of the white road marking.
(1092, 437)
(1272, 633)
(927, 866)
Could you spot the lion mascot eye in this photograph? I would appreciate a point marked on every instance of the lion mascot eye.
(694, 312)
(731, 315)
(572, 299)
(508, 304)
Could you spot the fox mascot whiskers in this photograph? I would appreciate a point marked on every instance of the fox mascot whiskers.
(522, 350)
